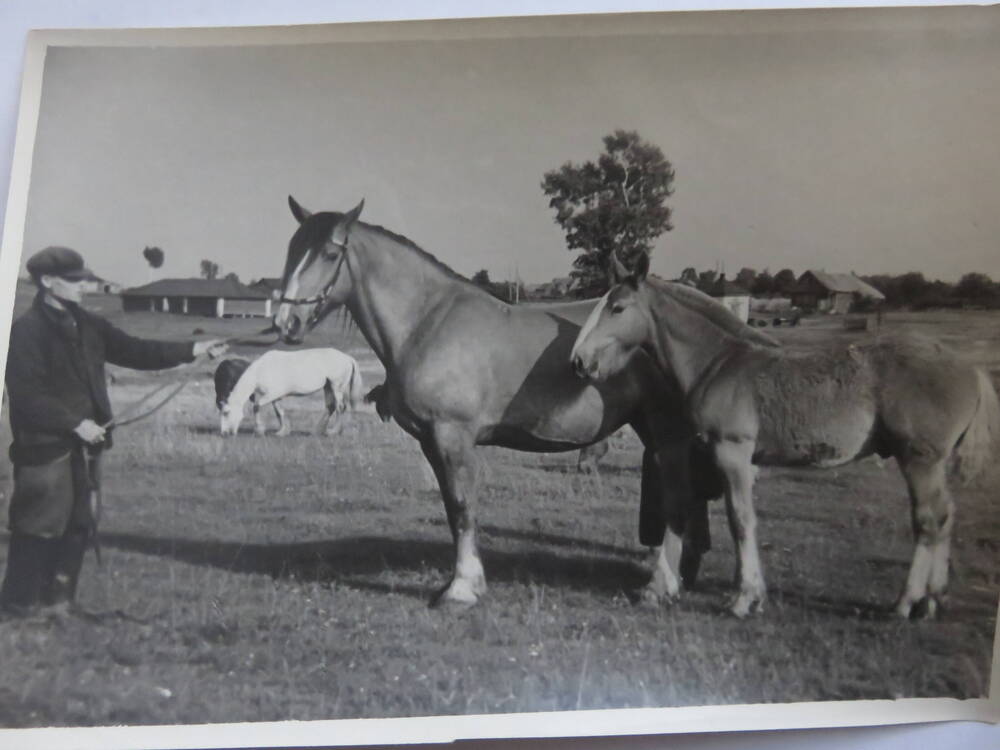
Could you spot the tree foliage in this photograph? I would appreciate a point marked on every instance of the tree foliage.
(154, 256)
(209, 269)
(616, 204)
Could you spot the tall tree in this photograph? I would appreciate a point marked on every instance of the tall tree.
(784, 280)
(209, 270)
(763, 284)
(616, 204)
(746, 277)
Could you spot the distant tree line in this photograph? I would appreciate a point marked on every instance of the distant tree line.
(907, 290)
(911, 290)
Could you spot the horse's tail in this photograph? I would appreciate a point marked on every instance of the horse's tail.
(976, 451)
(356, 386)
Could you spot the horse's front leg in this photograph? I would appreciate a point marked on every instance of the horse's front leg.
(660, 527)
(258, 420)
(451, 454)
(733, 458)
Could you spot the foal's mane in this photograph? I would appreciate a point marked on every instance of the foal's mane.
(713, 310)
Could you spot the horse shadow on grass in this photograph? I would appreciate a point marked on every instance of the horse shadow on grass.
(359, 561)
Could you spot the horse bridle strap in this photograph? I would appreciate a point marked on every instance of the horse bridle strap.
(322, 307)
(321, 297)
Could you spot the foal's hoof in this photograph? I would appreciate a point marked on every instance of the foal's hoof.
(457, 596)
(649, 597)
(928, 608)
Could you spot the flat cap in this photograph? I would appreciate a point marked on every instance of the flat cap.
(59, 261)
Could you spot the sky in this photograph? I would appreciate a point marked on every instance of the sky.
(827, 145)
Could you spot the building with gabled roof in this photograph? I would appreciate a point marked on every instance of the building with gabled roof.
(832, 292)
(218, 298)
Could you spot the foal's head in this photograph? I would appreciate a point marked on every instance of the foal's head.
(317, 275)
(618, 325)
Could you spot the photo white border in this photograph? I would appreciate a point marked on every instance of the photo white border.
(438, 729)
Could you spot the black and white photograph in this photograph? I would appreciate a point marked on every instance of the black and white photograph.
(557, 375)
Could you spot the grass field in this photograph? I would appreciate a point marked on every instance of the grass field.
(265, 579)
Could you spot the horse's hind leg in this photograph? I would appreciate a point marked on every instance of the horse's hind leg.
(932, 513)
(284, 426)
(330, 399)
(733, 458)
(451, 454)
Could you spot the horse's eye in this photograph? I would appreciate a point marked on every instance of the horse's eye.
(617, 308)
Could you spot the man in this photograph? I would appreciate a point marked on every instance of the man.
(58, 403)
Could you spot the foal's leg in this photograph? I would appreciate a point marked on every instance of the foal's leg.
(284, 426)
(451, 453)
(733, 458)
(932, 513)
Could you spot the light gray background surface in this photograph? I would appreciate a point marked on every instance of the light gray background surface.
(18, 16)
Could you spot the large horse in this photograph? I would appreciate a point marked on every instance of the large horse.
(464, 369)
(901, 396)
(277, 374)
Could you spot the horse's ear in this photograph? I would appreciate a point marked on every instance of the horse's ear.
(618, 271)
(300, 214)
(641, 266)
(343, 228)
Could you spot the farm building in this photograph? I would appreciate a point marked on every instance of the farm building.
(733, 296)
(832, 292)
(218, 298)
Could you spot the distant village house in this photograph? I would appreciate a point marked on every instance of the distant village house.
(832, 292)
(217, 298)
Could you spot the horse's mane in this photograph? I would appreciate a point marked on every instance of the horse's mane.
(319, 226)
(715, 311)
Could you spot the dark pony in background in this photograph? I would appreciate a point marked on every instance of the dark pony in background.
(465, 369)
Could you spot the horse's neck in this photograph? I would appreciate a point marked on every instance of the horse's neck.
(688, 342)
(395, 289)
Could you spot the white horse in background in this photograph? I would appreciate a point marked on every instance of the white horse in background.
(277, 374)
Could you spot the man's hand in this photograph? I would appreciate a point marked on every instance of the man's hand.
(213, 348)
(90, 432)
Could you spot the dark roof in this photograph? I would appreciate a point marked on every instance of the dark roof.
(268, 283)
(227, 288)
(844, 283)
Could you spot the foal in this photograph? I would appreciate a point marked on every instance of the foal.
(905, 397)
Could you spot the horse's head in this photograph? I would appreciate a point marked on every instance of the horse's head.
(317, 276)
(229, 419)
(617, 326)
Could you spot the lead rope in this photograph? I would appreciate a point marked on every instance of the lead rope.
(92, 457)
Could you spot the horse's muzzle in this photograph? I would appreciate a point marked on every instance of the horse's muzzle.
(291, 330)
(582, 370)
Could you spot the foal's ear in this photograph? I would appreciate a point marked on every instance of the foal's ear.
(343, 228)
(641, 266)
(300, 214)
(619, 273)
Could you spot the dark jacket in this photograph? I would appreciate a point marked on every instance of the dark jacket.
(55, 375)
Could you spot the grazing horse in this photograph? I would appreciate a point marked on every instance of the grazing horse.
(277, 374)
(226, 375)
(465, 369)
(902, 396)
